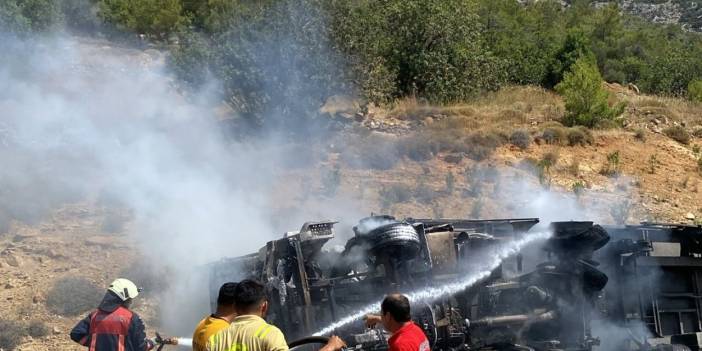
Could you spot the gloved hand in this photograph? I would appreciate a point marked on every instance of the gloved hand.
(150, 344)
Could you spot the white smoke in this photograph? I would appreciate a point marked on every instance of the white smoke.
(83, 119)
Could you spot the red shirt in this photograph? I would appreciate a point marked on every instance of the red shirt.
(409, 337)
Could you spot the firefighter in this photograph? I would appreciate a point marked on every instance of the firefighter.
(112, 326)
(213, 323)
(396, 318)
(249, 331)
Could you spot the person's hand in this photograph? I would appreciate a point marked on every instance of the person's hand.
(371, 320)
(335, 343)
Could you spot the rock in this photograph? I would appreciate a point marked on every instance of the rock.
(56, 330)
(690, 216)
(53, 254)
(13, 260)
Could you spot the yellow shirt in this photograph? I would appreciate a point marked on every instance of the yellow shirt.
(248, 333)
(205, 329)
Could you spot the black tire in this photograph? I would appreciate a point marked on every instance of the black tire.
(578, 236)
(393, 234)
(308, 340)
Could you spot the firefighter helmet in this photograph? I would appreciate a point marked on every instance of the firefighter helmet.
(124, 288)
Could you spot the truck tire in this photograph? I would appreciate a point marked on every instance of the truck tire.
(392, 234)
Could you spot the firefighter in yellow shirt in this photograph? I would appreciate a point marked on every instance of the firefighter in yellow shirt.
(214, 323)
(249, 331)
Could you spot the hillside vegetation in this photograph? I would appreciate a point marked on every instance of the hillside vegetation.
(277, 60)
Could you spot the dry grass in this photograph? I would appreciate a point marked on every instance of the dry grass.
(677, 109)
(510, 107)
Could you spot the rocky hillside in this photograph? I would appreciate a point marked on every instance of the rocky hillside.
(687, 13)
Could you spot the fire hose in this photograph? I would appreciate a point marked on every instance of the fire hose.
(161, 341)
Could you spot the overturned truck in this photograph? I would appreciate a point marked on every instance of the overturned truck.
(546, 298)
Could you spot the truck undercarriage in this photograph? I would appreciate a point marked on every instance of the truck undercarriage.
(546, 298)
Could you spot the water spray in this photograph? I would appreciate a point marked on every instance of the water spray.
(430, 294)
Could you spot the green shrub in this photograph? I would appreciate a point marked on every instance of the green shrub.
(652, 164)
(71, 296)
(586, 101)
(520, 139)
(430, 49)
(697, 133)
(11, 334)
(154, 17)
(578, 188)
(678, 134)
(612, 167)
(20, 16)
(37, 329)
(694, 90)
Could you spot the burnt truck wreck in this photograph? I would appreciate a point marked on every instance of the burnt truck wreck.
(641, 281)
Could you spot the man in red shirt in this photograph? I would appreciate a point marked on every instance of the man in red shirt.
(395, 317)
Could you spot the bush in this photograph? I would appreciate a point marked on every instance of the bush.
(396, 193)
(640, 135)
(555, 135)
(694, 90)
(433, 50)
(72, 296)
(11, 334)
(372, 152)
(147, 276)
(578, 188)
(450, 183)
(678, 134)
(550, 158)
(612, 167)
(579, 136)
(586, 101)
(520, 139)
(419, 148)
(37, 329)
(424, 194)
(453, 158)
(697, 133)
(155, 17)
(480, 153)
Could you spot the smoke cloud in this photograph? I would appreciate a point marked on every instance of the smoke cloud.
(86, 120)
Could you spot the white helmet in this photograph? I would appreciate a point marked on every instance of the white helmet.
(124, 288)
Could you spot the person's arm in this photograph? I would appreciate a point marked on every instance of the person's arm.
(137, 335)
(275, 340)
(79, 333)
(371, 320)
(334, 344)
